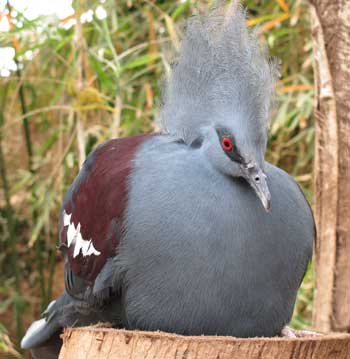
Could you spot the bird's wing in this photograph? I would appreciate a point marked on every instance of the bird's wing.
(91, 221)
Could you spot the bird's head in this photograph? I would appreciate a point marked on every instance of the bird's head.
(234, 156)
(220, 93)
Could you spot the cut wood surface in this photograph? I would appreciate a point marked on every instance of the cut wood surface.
(106, 343)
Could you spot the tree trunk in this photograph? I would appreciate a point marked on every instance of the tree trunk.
(106, 343)
(331, 37)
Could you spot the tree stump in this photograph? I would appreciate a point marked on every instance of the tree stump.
(107, 343)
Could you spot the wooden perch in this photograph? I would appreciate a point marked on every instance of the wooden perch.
(106, 343)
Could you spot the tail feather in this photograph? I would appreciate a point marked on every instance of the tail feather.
(42, 330)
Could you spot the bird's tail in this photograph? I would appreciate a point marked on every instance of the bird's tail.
(43, 336)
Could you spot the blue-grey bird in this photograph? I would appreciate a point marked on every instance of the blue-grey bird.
(189, 230)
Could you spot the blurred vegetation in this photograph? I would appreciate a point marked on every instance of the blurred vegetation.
(87, 78)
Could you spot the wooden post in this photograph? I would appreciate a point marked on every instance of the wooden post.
(331, 38)
(106, 343)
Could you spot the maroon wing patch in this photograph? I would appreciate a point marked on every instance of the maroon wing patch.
(92, 212)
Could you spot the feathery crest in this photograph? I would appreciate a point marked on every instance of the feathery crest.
(222, 76)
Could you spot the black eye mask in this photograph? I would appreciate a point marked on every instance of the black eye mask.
(228, 144)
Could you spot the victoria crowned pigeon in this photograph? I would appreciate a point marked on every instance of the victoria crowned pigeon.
(189, 230)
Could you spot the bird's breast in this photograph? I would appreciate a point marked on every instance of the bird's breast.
(201, 251)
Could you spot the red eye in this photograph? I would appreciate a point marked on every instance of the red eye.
(226, 143)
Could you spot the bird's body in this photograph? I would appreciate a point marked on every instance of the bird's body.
(169, 232)
(210, 272)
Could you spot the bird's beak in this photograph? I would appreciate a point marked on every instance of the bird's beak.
(257, 179)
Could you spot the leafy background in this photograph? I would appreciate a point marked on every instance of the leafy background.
(97, 74)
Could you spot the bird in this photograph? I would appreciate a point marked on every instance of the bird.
(188, 230)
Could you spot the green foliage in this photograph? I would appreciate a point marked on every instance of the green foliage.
(6, 346)
(83, 84)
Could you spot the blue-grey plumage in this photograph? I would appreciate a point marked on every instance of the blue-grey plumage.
(175, 231)
(205, 258)
(222, 75)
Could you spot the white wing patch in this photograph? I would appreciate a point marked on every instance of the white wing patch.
(66, 218)
(74, 237)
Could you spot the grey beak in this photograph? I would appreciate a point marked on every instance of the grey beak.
(257, 179)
